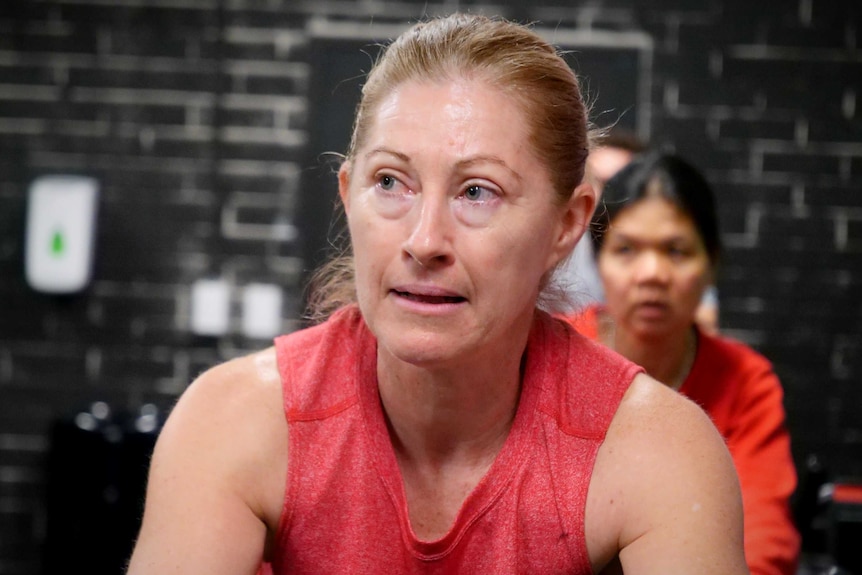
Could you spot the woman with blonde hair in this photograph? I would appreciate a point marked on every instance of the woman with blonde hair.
(438, 421)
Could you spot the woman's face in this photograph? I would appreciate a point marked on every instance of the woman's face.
(453, 222)
(654, 268)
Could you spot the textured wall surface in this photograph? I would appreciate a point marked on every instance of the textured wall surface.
(192, 114)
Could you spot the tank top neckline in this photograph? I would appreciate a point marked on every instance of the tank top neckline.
(511, 457)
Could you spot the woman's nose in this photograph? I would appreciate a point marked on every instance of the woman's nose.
(651, 267)
(429, 242)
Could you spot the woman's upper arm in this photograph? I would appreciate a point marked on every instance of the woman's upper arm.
(216, 478)
(666, 481)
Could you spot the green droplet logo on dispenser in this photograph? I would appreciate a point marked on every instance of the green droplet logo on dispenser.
(58, 244)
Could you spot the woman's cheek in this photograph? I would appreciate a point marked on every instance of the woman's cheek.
(390, 205)
(475, 214)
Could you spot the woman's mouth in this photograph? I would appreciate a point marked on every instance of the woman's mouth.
(651, 309)
(428, 298)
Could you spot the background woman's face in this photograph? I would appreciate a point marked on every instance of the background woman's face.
(654, 267)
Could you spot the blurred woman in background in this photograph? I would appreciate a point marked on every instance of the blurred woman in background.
(613, 150)
(657, 245)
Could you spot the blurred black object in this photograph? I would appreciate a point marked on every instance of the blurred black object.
(828, 514)
(97, 470)
(808, 507)
(844, 535)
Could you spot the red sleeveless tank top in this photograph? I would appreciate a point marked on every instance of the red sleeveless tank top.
(345, 508)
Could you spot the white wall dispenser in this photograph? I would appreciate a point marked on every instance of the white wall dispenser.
(60, 233)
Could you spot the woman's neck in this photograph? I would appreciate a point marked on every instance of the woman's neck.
(668, 359)
(450, 414)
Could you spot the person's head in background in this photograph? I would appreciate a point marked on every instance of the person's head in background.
(657, 246)
(612, 151)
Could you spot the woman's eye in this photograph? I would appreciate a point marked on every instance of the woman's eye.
(476, 193)
(386, 182)
(476, 204)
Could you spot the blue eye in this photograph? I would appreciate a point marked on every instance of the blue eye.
(386, 182)
(476, 193)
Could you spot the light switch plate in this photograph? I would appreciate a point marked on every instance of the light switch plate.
(60, 233)
(261, 310)
(210, 314)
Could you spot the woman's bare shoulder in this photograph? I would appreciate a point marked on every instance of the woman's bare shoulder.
(664, 476)
(231, 420)
(221, 459)
(252, 377)
(649, 402)
(664, 432)
(239, 392)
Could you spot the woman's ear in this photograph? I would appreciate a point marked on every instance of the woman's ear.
(585, 199)
(575, 220)
(344, 184)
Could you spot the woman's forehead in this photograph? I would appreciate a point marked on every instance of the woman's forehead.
(650, 212)
(469, 115)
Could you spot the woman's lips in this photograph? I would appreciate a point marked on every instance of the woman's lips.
(432, 295)
(651, 310)
(429, 298)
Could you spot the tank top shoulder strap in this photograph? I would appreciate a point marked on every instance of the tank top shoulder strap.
(316, 365)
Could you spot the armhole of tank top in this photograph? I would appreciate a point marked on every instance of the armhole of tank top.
(285, 370)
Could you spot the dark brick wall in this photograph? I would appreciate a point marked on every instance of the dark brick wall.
(192, 115)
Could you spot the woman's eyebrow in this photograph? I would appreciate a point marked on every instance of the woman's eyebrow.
(461, 164)
(480, 159)
(387, 151)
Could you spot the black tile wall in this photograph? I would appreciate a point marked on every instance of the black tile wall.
(193, 119)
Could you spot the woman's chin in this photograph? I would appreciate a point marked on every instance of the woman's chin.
(657, 330)
(421, 352)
